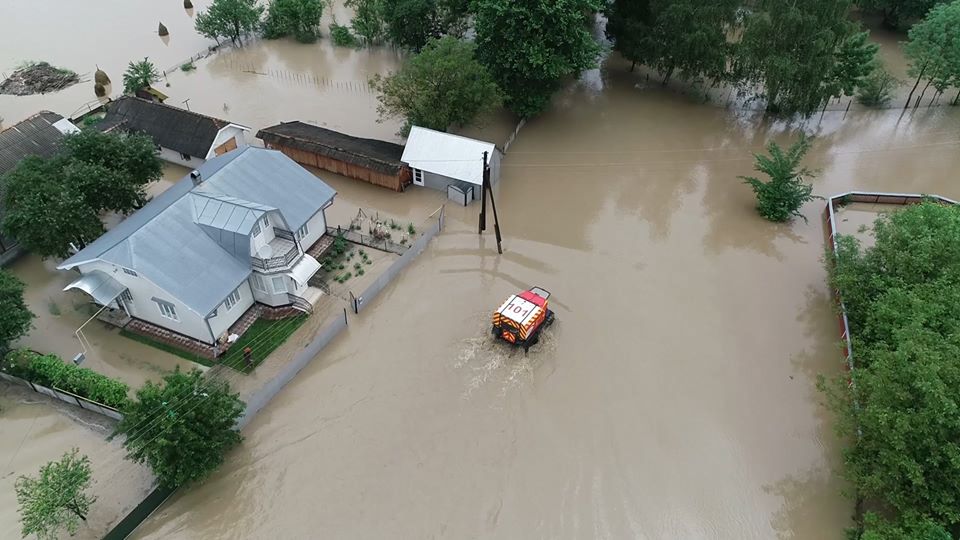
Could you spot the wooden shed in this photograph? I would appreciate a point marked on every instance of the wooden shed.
(370, 160)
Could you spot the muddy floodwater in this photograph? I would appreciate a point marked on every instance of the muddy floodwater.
(673, 398)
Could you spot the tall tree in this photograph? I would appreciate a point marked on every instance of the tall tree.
(229, 18)
(629, 25)
(801, 53)
(183, 428)
(139, 75)
(933, 50)
(16, 318)
(131, 163)
(56, 501)
(691, 36)
(900, 13)
(368, 20)
(443, 86)
(297, 18)
(530, 46)
(44, 212)
(411, 23)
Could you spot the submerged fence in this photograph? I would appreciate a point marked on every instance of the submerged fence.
(66, 397)
(415, 249)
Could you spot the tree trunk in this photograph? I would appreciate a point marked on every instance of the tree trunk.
(934, 98)
(666, 78)
(915, 85)
(76, 512)
(633, 65)
(236, 30)
(917, 104)
(956, 100)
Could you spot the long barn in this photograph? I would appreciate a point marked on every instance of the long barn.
(369, 160)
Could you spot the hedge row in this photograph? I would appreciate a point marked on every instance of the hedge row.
(51, 371)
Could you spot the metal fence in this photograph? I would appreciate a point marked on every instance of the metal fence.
(359, 302)
(259, 400)
(383, 244)
(66, 397)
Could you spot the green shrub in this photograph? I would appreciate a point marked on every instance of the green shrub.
(188, 67)
(342, 37)
(876, 89)
(360, 271)
(51, 371)
(781, 198)
(411, 229)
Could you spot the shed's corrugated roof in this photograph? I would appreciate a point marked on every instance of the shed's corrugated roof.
(446, 154)
(165, 243)
(181, 130)
(380, 156)
(35, 136)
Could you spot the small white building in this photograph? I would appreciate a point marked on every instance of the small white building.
(450, 163)
(198, 256)
(183, 137)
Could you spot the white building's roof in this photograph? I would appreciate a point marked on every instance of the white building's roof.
(448, 155)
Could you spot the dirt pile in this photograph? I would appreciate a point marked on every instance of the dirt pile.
(38, 78)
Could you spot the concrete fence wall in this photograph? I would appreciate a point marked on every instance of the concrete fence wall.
(66, 397)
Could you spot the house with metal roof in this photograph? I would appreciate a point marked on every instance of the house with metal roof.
(449, 162)
(39, 135)
(183, 137)
(232, 234)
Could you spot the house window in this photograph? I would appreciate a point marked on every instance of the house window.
(418, 177)
(232, 299)
(167, 309)
(256, 229)
(303, 231)
(126, 296)
(185, 157)
(259, 284)
(278, 285)
(266, 222)
(130, 272)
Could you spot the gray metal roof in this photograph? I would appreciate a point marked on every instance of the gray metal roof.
(167, 241)
(35, 136)
(103, 288)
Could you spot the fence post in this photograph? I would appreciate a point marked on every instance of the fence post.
(346, 321)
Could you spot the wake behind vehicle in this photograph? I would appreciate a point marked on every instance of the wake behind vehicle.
(522, 317)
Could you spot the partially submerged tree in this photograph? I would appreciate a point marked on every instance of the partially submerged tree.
(56, 501)
(802, 53)
(443, 86)
(933, 50)
(139, 75)
(781, 197)
(899, 13)
(54, 203)
(628, 26)
(16, 318)
(183, 428)
(368, 23)
(531, 46)
(229, 19)
(297, 18)
(876, 89)
(411, 23)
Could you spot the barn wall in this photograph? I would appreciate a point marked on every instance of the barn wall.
(350, 170)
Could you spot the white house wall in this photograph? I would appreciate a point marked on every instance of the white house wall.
(316, 227)
(226, 317)
(172, 156)
(143, 307)
(224, 135)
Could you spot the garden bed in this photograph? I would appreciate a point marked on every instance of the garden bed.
(263, 337)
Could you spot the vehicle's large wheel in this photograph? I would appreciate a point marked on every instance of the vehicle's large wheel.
(494, 331)
(549, 319)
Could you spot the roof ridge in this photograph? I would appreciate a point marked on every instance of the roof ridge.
(194, 113)
(464, 137)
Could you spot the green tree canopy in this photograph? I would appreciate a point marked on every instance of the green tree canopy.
(368, 20)
(691, 36)
(56, 501)
(901, 296)
(182, 428)
(443, 86)
(933, 50)
(801, 53)
(139, 75)
(297, 18)
(530, 46)
(906, 527)
(411, 23)
(629, 28)
(229, 19)
(16, 318)
(781, 197)
(53, 203)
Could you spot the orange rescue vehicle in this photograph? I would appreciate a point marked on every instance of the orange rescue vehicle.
(522, 317)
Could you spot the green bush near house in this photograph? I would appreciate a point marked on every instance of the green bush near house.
(51, 371)
(263, 337)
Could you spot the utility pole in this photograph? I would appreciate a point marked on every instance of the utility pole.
(484, 189)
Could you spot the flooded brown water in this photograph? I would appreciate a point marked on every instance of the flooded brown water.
(36, 430)
(675, 396)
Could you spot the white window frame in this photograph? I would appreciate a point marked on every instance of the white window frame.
(185, 157)
(232, 299)
(266, 222)
(302, 231)
(418, 177)
(126, 296)
(129, 272)
(258, 283)
(256, 229)
(167, 310)
(282, 288)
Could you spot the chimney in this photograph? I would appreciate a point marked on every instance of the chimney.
(195, 176)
